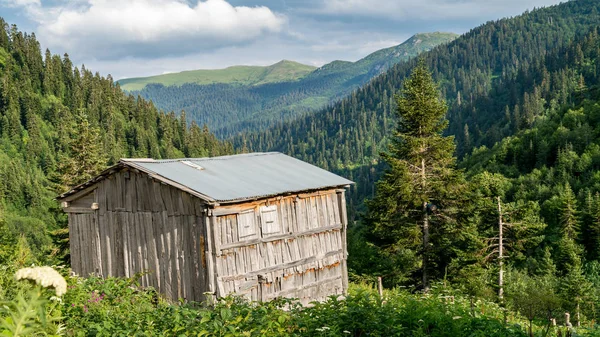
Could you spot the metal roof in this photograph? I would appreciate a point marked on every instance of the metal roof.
(239, 177)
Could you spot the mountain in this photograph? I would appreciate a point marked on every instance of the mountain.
(381, 60)
(491, 77)
(229, 108)
(282, 71)
(60, 125)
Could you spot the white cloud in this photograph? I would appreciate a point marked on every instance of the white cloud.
(149, 28)
(20, 3)
(428, 9)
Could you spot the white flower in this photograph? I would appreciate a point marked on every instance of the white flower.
(44, 276)
(56, 299)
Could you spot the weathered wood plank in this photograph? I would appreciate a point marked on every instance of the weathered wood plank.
(167, 200)
(176, 281)
(167, 266)
(343, 215)
(74, 244)
(97, 244)
(184, 257)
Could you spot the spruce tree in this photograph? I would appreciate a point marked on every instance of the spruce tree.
(413, 212)
(86, 158)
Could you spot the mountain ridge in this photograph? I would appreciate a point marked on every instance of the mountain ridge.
(229, 109)
(284, 70)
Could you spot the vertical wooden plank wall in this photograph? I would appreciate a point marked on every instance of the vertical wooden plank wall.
(305, 259)
(143, 226)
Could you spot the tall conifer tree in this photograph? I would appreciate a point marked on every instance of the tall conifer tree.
(414, 210)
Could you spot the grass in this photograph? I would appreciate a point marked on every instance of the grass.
(282, 71)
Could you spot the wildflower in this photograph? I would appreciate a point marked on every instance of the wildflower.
(56, 299)
(44, 276)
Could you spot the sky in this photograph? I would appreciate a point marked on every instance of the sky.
(133, 38)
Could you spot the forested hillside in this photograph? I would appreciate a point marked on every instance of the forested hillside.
(229, 109)
(60, 125)
(496, 79)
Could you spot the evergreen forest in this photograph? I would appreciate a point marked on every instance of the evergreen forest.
(60, 126)
(476, 203)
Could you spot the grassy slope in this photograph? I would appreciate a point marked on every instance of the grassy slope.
(244, 75)
(347, 76)
(384, 58)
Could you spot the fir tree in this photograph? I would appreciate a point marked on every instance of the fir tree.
(86, 158)
(414, 203)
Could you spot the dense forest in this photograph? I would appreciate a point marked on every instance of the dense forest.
(496, 79)
(60, 125)
(477, 199)
(230, 109)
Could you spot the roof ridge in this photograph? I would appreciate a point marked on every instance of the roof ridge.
(173, 160)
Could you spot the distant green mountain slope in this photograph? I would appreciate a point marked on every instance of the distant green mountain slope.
(229, 108)
(281, 71)
(383, 59)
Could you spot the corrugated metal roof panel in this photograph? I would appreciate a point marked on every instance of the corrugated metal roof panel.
(243, 176)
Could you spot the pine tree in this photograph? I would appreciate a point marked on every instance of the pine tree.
(414, 203)
(86, 158)
(569, 218)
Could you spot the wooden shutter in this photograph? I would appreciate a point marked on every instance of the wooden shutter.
(246, 223)
(269, 220)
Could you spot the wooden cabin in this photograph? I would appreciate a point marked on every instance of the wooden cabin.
(262, 225)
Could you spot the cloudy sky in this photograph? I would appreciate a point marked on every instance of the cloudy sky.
(129, 38)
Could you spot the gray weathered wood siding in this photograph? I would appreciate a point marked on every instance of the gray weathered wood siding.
(286, 246)
(140, 225)
(292, 246)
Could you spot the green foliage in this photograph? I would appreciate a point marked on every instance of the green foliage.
(28, 309)
(496, 79)
(59, 126)
(421, 186)
(85, 155)
(29, 314)
(119, 307)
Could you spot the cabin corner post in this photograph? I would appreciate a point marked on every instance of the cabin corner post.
(344, 218)
(209, 220)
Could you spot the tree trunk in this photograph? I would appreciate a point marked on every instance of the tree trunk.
(500, 253)
(425, 247)
(530, 327)
(578, 315)
(425, 230)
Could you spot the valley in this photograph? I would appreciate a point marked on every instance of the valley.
(229, 106)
